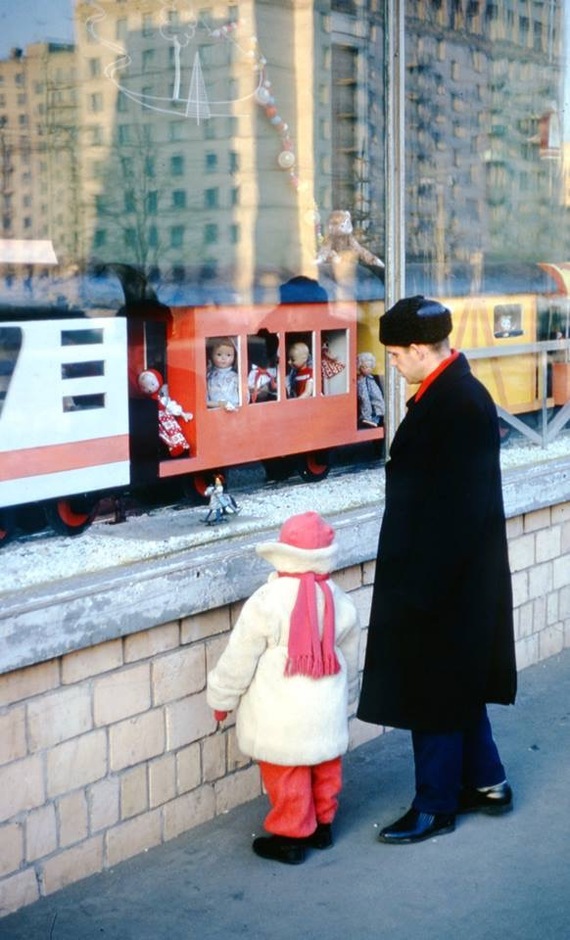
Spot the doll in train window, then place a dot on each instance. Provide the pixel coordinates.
(222, 379)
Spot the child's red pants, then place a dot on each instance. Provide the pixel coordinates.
(301, 797)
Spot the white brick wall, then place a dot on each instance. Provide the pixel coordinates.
(111, 750)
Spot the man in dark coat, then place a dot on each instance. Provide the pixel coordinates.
(441, 642)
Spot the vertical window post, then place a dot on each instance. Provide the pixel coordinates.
(395, 286)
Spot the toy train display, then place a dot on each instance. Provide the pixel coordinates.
(98, 405)
(95, 405)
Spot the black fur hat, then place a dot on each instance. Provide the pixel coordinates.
(415, 320)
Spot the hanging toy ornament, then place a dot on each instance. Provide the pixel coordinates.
(264, 97)
(286, 159)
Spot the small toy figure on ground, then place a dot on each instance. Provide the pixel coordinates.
(289, 671)
(371, 405)
(221, 503)
(150, 383)
(221, 376)
(300, 375)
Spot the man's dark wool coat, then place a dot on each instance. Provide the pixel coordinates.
(440, 641)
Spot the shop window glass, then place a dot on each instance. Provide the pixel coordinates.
(487, 202)
(222, 160)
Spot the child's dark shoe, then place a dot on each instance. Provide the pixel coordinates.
(321, 838)
(280, 849)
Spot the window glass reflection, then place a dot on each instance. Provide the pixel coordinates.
(487, 190)
(181, 139)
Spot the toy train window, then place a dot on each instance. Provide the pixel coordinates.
(300, 365)
(10, 345)
(81, 337)
(334, 358)
(222, 372)
(82, 369)
(507, 320)
(262, 367)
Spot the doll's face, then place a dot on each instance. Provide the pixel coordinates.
(298, 355)
(223, 356)
(148, 383)
(365, 368)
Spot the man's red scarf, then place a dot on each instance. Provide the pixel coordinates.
(433, 375)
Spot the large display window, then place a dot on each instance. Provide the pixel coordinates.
(206, 193)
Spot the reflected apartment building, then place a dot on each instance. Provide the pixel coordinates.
(484, 191)
(201, 130)
(204, 146)
(40, 186)
(216, 141)
(207, 145)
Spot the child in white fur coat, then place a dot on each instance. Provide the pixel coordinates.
(290, 670)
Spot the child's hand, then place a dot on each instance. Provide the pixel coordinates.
(220, 716)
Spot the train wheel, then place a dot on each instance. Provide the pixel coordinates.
(315, 466)
(71, 516)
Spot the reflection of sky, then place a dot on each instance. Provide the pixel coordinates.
(26, 21)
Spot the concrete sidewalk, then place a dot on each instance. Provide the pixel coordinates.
(494, 878)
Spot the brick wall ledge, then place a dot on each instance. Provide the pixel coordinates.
(43, 622)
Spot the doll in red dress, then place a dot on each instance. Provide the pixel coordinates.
(150, 383)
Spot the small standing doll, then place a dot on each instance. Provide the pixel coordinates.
(289, 671)
(221, 503)
(369, 393)
(169, 412)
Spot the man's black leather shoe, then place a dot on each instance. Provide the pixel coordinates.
(280, 849)
(416, 826)
(493, 800)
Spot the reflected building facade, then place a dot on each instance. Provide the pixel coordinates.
(40, 183)
(207, 145)
(484, 183)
